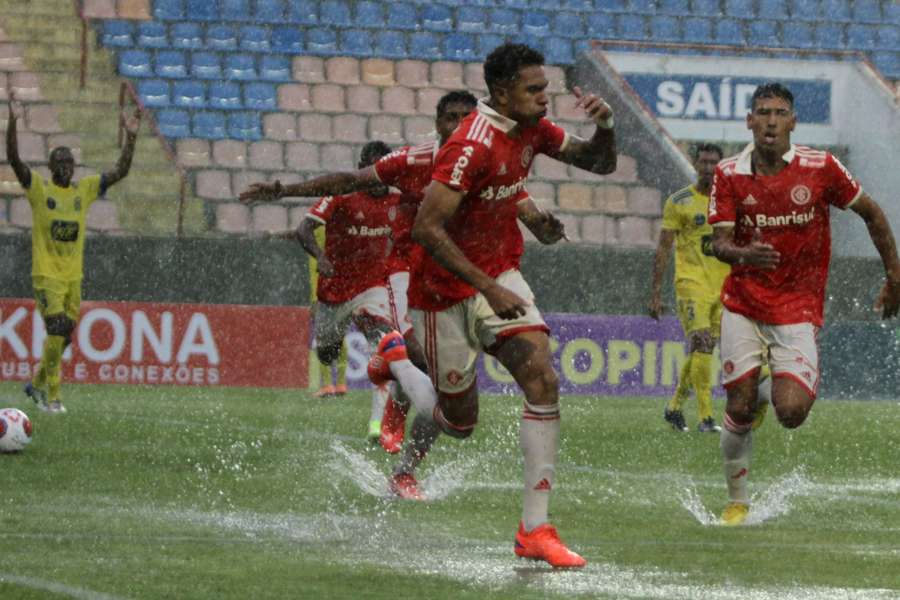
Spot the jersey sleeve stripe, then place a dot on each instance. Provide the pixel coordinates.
(723, 224)
(315, 218)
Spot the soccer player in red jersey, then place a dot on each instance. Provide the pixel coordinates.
(769, 207)
(469, 296)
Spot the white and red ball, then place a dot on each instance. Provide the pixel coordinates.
(15, 430)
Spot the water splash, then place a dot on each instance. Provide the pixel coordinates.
(358, 469)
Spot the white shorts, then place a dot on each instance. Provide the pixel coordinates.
(791, 350)
(452, 338)
(333, 320)
(398, 285)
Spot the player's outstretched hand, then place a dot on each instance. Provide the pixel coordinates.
(132, 121)
(594, 106)
(656, 308)
(888, 302)
(552, 229)
(505, 303)
(759, 254)
(261, 192)
(324, 267)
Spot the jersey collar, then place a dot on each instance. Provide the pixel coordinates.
(504, 124)
(744, 165)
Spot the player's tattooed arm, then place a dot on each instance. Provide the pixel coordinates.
(332, 184)
(542, 224)
(305, 234)
(598, 154)
(755, 254)
(883, 239)
(123, 166)
(23, 173)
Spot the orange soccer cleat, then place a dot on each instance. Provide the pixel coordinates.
(391, 347)
(324, 392)
(405, 486)
(543, 543)
(393, 426)
(340, 389)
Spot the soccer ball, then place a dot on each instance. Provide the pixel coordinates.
(15, 430)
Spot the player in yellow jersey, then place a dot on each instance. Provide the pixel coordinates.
(59, 208)
(328, 387)
(698, 281)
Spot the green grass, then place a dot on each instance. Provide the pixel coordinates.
(227, 493)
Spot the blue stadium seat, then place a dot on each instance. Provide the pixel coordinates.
(274, 68)
(601, 25)
(504, 21)
(888, 37)
(321, 42)
(739, 9)
(836, 10)
(225, 95)
(545, 5)
(335, 13)
(355, 42)
(568, 24)
(558, 51)
(892, 13)
(171, 64)
(209, 125)
(697, 30)
(173, 123)
(437, 18)
(253, 38)
(797, 34)
(471, 19)
(771, 9)
(459, 47)
(370, 14)
(401, 15)
(806, 10)
(221, 37)
(244, 126)
(390, 44)
(616, 6)
(117, 34)
(152, 34)
(665, 28)
(888, 63)
(708, 8)
(675, 7)
(866, 11)
(536, 23)
(287, 40)
(631, 27)
(269, 11)
(241, 67)
(260, 96)
(303, 12)
(425, 46)
(764, 33)
(154, 93)
(168, 10)
(206, 65)
(202, 10)
(860, 37)
(647, 7)
(189, 94)
(487, 42)
(582, 6)
(187, 36)
(729, 31)
(236, 10)
(829, 36)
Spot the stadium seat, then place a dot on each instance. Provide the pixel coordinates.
(806, 10)
(487, 42)
(117, 34)
(241, 67)
(616, 6)
(321, 42)
(536, 23)
(631, 27)
(244, 126)
(209, 125)
(236, 10)
(303, 12)
(888, 37)
(391, 44)
(425, 46)
(675, 7)
(401, 15)
(729, 31)
(866, 11)
(260, 96)
(171, 64)
(221, 37)
(665, 28)
(697, 30)
(567, 24)
(355, 42)
(253, 38)
(739, 9)
(186, 36)
(154, 93)
(287, 40)
(892, 13)
(771, 9)
(601, 25)
(225, 95)
(335, 13)
(206, 65)
(173, 123)
(558, 51)
(764, 33)
(152, 34)
(202, 10)
(168, 10)
(460, 47)
(797, 34)
(829, 36)
(369, 14)
(888, 63)
(580, 6)
(471, 19)
(836, 10)
(269, 11)
(437, 18)
(861, 37)
(189, 94)
(647, 7)
(503, 21)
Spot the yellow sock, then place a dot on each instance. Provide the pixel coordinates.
(684, 385)
(51, 363)
(701, 371)
(764, 372)
(342, 365)
(325, 371)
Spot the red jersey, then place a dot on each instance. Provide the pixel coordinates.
(357, 240)
(481, 160)
(791, 212)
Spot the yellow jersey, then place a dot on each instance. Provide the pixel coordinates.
(58, 226)
(697, 271)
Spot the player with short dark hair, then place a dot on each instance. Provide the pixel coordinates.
(769, 208)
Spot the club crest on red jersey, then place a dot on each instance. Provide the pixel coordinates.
(527, 155)
(800, 195)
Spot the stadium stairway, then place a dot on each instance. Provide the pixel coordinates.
(40, 54)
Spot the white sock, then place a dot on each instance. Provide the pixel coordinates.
(379, 399)
(539, 438)
(416, 384)
(736, 450)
